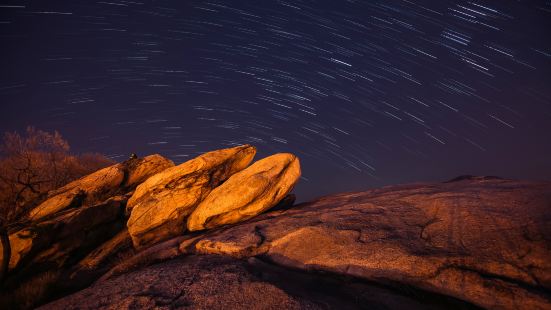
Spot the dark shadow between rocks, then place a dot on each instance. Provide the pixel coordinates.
(347, 292)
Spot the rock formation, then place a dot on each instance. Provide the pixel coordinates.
(247, 193)
(482, 241)
(101, 185)
(470, 242)
(55, 240)
(71, 222)
(161, 204)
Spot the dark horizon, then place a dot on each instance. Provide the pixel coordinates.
(366, 94)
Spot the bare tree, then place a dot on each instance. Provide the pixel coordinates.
(30, 166)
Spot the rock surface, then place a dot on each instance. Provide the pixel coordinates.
(161, 204)
(469, 242)
(140, 169)
(217, 282)
(110, 251)
(101, 185)
(484, 241)
(247, 193)
(55, 240)
(21, 243)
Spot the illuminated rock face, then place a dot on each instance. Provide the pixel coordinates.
(100, 185)
(160, 205)
(481, 240)
(247, 193)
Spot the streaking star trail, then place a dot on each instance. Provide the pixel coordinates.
(366, 93)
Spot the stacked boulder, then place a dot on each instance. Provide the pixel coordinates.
(103, 184)
(214, 189)
(81, 214)
(81, 226)
(160, 205)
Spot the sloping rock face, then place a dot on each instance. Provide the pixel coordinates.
(101, 185)
(484, 241)
(199, 283)
(247, 193)
(217, 282)
(161, 204)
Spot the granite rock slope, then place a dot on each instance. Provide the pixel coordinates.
(485, 241)
(218, 282)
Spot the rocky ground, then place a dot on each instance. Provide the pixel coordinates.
(222, 282)
(467, 243)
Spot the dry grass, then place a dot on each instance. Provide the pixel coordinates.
(31, 293)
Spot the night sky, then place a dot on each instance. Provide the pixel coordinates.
(366, 93)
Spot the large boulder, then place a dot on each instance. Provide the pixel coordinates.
(101, 185)
(160, 205)
(90, 187)
(482, 240)
(247, 193)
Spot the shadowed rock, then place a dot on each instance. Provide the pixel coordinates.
(160, 205)
(247, 193)
(56, 240)
(468, 177)
(112, 252)
(285, 203)
(100, 185)
(107, 252)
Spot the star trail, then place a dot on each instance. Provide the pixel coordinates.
(366, 93)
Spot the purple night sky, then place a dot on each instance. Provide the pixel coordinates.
(366, 93)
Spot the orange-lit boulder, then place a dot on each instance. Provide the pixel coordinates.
(248, 192)
(100, 185)
(160, 205)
